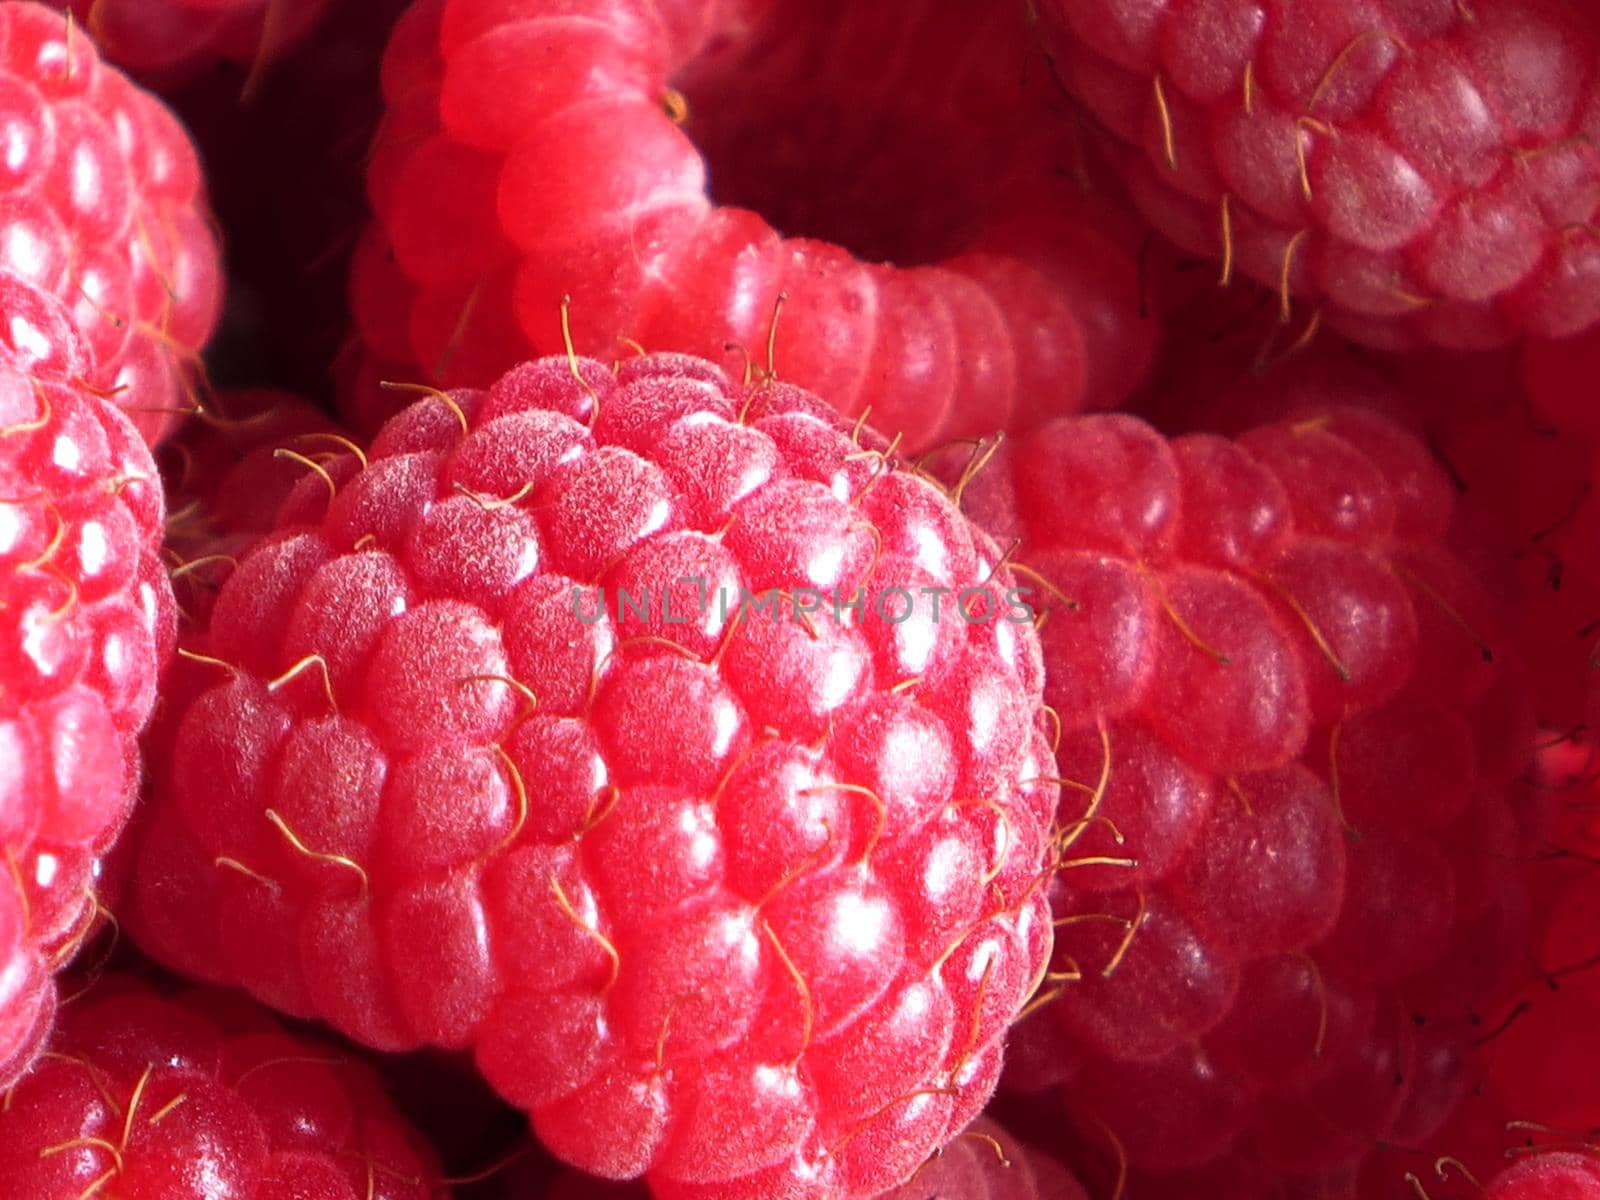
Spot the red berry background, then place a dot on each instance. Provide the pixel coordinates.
(799, 600)
(1423, 173)
(713, 181)
(168, 40)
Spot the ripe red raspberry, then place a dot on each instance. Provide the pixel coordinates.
(102, 204)
(937, 271)
(169, 40)
(200, 1096)
(983, 1163)
(1420, 172)
(1291, 736)
(740, 897)
(86, 619)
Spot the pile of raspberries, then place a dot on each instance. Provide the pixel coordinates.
(799, 600)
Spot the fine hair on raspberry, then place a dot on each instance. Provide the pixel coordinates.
(742, 899)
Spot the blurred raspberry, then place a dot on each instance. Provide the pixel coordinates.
(1421, 173)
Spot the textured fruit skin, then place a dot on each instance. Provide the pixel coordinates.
(168, 40)
(1551, 1175)
(86, 620)
(984, 1162)
(102, 204)
(1423, 173)
(984, 297)
(198, 1096)
(742, 903)
(1266, 860)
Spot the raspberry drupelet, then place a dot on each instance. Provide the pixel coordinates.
(1419, 172)
(198, 1096)
(1290, 748)
(525, 732)
(103, 205)
(676, 167)
(86, 620)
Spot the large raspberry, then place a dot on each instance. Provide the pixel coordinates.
(102, 204)
(1292, 736)
(201, 1096)
(532, 149)
(1422, 171)
(168, 40)
(86, 618)
(732, 885)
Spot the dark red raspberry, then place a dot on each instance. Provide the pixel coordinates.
(1422, 172)
(169, 40)
(201, 1096)
(1291, 734)
(1526, 481)
(940, 274)
(226, 473)
(740, 897)
(86, 619)
(102, 204)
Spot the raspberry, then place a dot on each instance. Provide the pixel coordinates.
(226, 474)
(1421, 173)
(86, 618)
(105, 208)
(1290, 738)
(170, 40)
(941, 276)
(737, 895)
(983, 1163)
(198, 1096)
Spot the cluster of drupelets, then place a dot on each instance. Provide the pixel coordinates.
(1258, 862)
